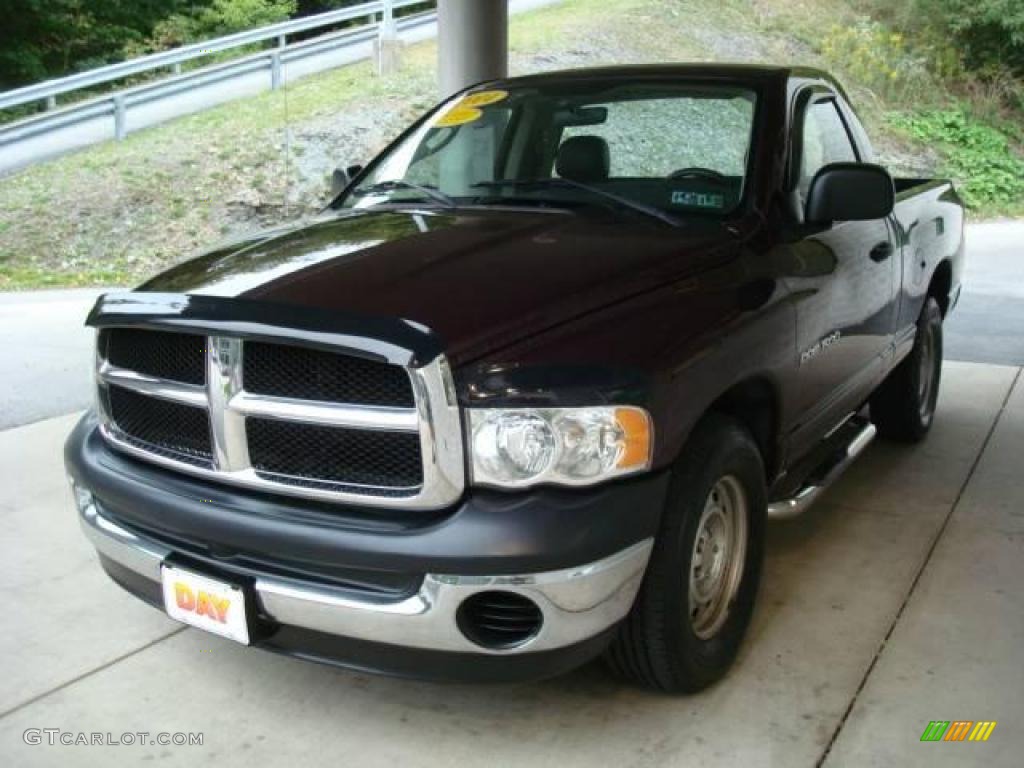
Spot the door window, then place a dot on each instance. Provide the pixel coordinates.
(825, 141)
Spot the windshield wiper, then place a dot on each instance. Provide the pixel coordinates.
(392, 186)
(624, 202)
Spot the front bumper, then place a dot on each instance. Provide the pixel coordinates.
(576, 603)
(137, 515)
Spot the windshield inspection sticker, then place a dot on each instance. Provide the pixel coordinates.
(698, 199)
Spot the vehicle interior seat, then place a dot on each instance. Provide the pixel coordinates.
(584, 158)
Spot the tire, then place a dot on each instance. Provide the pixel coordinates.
(903, 408)
(664, 643)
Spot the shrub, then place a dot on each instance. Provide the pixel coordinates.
(978, 156)
(870, 54)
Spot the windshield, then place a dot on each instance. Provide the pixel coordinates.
(665, 151)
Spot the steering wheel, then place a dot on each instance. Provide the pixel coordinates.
(695, 171)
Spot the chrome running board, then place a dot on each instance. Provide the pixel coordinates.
(798, 504)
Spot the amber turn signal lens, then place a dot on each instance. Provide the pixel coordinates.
(636, 425)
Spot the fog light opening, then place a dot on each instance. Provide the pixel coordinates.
(499, 620)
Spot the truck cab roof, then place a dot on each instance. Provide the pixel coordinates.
(749, 73)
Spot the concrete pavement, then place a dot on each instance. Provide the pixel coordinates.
(955, 651)
(893, 602)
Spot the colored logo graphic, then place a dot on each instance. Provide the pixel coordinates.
(201, 603)
(958, 730)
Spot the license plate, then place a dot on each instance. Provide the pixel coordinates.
(205, 603)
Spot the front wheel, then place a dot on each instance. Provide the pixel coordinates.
(698, 594)
(903, 408)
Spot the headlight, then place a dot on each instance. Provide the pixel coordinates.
(515, 448)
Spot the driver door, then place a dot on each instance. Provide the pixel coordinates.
(845, 296)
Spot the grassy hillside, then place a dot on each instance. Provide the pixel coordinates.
(117, 212)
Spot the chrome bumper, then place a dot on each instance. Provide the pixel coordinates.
(576, 603)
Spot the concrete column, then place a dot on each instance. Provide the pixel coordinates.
(472, 42)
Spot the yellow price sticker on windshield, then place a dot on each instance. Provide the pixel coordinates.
(484, 98)
(458, 115)
(467, 110)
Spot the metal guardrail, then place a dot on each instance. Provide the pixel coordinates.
(380, 23)
(50, 89)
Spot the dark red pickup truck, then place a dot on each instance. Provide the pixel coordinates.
(529, 388)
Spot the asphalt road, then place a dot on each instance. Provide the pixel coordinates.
(46, 369)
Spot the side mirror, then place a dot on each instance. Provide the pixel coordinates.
(342, 177)
(850, 192)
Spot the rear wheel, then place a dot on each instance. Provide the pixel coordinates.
(903, 408)
(698, 594)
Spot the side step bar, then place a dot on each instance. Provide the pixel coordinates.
(798, 504)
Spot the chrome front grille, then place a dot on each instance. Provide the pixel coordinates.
(174, 430)
(321, 424)
(178, 356)
(314, 374)
(306, 454)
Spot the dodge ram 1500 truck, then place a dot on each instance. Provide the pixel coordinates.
(528, 389)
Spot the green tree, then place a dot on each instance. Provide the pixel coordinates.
(41, 39)
(226, 16)
(988, 34)
(992, 31)
(49, 38)
(220, 17)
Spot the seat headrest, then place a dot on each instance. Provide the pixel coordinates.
(583, 158)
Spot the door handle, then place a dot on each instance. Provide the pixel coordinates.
(881, 251)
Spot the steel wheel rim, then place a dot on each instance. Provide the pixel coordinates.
(926, 374)
(719, 553)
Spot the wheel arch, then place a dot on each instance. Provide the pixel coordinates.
(941, 285)
(754, 403)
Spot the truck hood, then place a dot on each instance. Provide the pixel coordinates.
(480, 278)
